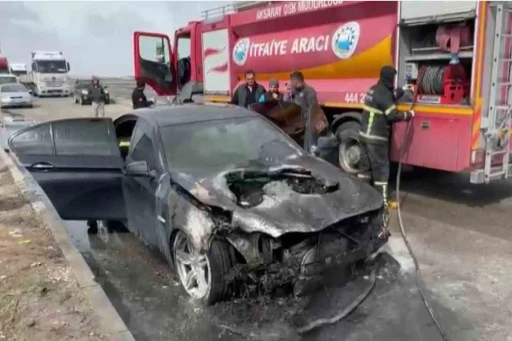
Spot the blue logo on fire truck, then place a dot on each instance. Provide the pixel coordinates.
(344, 40)
(241, 51)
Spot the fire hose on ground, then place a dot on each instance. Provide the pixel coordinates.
(352, 306)
(401, 224)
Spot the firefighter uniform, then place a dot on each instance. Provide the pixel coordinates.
(379, 113)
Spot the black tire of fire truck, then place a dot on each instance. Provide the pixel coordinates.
(349, 148)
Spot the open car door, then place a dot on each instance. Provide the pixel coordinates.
(77, 163)
(154, 62)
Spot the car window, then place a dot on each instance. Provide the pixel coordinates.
(34, 141)
(13, 88)
(219, 143)
(84, 137)
(142, 144)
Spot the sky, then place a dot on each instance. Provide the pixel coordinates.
(96, 37)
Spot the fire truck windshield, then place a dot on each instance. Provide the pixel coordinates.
(51, 66)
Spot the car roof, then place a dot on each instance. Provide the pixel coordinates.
(191, 112)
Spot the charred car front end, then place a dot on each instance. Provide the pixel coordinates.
(290, 224)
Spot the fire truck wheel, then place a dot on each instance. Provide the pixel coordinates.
(349, 148)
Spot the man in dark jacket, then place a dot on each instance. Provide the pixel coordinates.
(273, 93)
(379, 113)
(301, 93)
(139, 100)
(97, 94)
(248, 93)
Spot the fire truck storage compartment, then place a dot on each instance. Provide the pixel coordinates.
(438, 58)
(442, 72)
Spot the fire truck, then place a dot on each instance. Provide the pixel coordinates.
(4, 65)
(457, 53)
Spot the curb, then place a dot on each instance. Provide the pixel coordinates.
(110, 323)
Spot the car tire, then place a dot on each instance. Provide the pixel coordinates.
(349, 148)
(217, 263)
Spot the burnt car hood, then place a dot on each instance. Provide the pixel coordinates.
(279, 208)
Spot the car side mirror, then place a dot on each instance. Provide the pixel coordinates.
(139, 169)
(104, 86)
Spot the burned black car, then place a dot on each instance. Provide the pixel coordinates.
(221, 191)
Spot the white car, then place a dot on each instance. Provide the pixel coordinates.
(14, 95)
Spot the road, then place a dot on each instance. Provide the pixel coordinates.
(461, 233)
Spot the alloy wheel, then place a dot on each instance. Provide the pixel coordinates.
(192, 266)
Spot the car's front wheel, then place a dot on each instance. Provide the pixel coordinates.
(202, 275)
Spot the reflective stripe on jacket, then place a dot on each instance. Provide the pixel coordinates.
(379, 113)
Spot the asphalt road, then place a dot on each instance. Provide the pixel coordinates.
(461, 233)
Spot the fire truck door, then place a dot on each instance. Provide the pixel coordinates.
(154, 62)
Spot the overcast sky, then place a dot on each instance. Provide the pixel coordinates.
(95, 37)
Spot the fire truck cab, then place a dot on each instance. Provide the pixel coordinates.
(458, 54)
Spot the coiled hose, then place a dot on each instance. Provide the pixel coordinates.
(430, 79)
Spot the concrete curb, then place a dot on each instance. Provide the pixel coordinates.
(111, 324)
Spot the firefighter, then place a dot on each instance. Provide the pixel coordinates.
(248, 93)
(139, 100)
(301, 93)
(273, 93)
(97, 97)
(379, 113)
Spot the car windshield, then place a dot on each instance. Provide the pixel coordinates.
(51, 66)
(216, 144)
(8, 79)
(13, 88)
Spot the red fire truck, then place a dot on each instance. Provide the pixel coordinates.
(458, 53)
(4, 65)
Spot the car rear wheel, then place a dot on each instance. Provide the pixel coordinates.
(202, 275)
(349, 149)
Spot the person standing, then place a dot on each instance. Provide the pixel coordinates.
(139, 99)
(248, 93)
(273, 93)
(97, 94)
(301, 93)
(379, 113)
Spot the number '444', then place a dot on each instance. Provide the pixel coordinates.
(354, 97)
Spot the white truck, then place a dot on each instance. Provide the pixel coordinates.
(49, 74)
(20, 70)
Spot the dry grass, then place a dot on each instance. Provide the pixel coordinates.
(39, 296)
